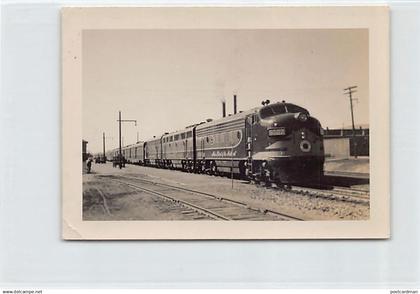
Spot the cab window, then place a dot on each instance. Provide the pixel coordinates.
(295, 109)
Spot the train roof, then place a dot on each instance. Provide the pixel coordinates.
(157, 139)
(140, 143)
(206, 124)
(186, 130)
(239, 116)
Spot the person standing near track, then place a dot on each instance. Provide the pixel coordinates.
(89, 164)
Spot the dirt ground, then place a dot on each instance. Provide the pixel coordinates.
(108, 200)
(353, 165)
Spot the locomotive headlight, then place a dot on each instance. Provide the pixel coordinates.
(305, 146)
(302, 117)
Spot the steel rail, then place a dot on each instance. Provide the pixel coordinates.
(216, 197)
(197, 208)
(330, 195)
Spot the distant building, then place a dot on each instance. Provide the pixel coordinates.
(346, 133)
(341, 143)
(84, 150)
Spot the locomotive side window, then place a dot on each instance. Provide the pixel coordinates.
(295, 109)
(189, 134)
(278, 108)
(266, 112)
(271, 110)
(176, 137)
(275, 109)
(249, 120)
(254, 119)
(183, 136)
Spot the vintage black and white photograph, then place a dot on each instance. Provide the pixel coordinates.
(225, 125)
(193, 124)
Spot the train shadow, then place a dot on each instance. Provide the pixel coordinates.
(329, 180)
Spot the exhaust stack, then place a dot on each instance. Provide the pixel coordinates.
(224, 108)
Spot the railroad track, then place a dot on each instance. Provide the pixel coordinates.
(336, 193)
(210, 205)
(351, 191)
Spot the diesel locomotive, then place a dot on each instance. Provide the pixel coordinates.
(279, 142)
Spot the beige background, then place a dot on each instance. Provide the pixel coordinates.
(74, 20)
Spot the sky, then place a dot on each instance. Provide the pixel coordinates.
(169, 79)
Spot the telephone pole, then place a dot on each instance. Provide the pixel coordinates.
(103, 144)
(104, 138)
(120, 157)
(349, 91)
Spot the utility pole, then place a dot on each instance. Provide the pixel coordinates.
(349, 91)
(104, 138)
(223, 108)
(119, 128)
(235, 108)
(103, 143)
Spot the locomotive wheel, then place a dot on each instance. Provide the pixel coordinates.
(202, 167)
(213, 168)
(190, 167)
(242, 169)
(279, 184)
(267, 183)
(266, 175)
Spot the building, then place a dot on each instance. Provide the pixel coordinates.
(341, 143)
